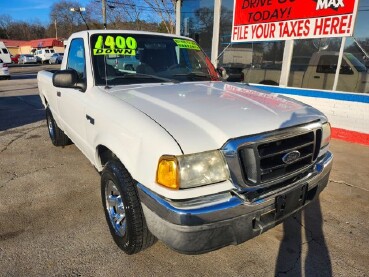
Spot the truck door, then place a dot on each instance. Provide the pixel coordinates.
(72, 101)
(323, 75)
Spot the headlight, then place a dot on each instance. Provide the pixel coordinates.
(187, 171)
(326, 134)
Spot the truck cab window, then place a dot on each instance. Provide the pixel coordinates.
(76, 58)
(328, 64)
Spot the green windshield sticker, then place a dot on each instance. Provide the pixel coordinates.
(183, 43)
(108, 51)
(115, 45)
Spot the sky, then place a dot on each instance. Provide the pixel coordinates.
(29, 10)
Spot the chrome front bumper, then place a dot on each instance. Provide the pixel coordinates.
(201, 225)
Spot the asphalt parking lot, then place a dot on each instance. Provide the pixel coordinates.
(52, 222)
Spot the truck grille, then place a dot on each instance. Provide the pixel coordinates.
(275, 160)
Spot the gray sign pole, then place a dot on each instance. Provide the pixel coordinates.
(339, 62)
(178, 17)
(215, 42)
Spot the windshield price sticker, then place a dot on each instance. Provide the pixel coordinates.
(182, 43)
(118, 45)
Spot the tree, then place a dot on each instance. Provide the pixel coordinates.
(118, 13)
(67, 22)
(273, 51)
(20, 30)
(164, 9)
(5, 22)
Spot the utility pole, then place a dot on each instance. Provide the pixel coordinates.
(103, 2)
(56, 30)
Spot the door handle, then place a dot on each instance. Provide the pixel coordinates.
(89, 118)
(58, 93)
(316, 77)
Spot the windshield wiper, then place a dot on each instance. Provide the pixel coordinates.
(193, 74)
(146, 76)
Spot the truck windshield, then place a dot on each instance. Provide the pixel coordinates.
(120, 59)
(356, 63)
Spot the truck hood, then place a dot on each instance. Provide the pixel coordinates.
(204, 115)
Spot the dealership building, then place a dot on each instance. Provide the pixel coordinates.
(197, 21)
(326, 68)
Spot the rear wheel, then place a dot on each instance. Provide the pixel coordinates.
(123, 209)
(268, 82)
(57, 136)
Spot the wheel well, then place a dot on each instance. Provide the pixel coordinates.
(44, 102)
(268, 82)
(105, 154)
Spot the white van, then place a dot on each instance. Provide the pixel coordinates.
(4, 53)
(43, 55)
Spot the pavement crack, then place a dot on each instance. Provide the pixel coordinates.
(285, 272)
(296, 263)
(347, 184)
(16, 176)
(11, 142)
(309, 232)
(22, 134)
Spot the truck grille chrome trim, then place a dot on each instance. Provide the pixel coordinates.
(273, 159)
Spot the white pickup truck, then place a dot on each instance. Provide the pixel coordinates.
(316, 72)
(195, 162)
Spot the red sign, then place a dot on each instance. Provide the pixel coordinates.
(261, 20)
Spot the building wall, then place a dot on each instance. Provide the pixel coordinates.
(25, 49)
(13, 50)
(59, 49)
(197, 23)
(348, 113)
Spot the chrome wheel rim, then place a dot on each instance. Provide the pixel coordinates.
(115, 209)
(50, 126)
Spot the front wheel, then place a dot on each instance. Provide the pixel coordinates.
(123, 209)
(57, 136)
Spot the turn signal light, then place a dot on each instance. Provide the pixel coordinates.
(167, 172)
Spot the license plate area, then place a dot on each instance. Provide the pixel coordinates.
(290, 201)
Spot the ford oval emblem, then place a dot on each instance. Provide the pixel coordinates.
(290, 157)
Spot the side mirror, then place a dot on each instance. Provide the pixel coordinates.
(68, 79)
(223, 73)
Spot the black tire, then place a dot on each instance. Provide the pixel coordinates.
(130, 233)
(268, 82)
(57, 136)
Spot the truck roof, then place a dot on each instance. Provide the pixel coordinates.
(92, 32)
